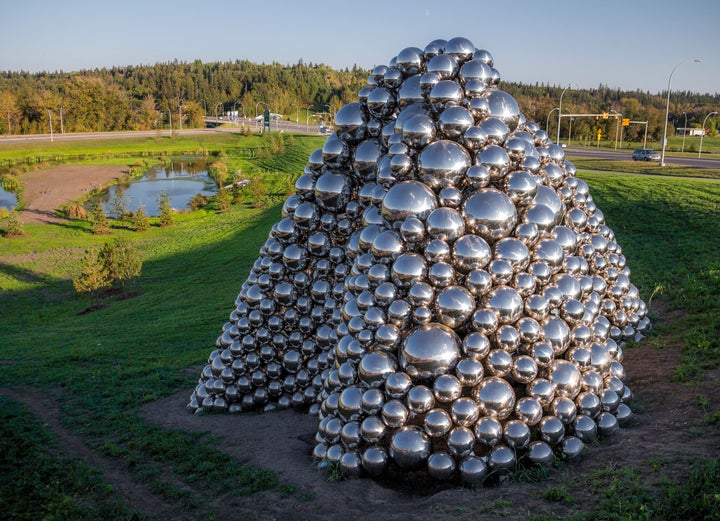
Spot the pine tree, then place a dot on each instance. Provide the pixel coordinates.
(15, 227)
(122, 262)
(222, 200)
(141, 221)
(166, 212)
(101, 224)
(93, 275)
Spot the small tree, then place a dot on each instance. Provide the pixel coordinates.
(166, 212)
(222, 200)
(15, 228)
(93, 275)
(101, 224)
(119, 203)
(258, 193)
(122, 262)
(141, 221)
(218, 171)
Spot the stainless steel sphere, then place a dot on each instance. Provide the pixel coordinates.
(409, 448)
(490, 214)
(495, 397)
(429, 351)
(473, 470)
(441, 466)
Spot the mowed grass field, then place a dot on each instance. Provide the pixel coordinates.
(100, 367)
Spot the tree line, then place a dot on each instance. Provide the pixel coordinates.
(178, 94)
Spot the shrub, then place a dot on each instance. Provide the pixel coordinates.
(76, 211)
(93, 275)
(198, 201)
(14, 227)
(166, 211)
(140, 221)
(101, 224)
(222, 200)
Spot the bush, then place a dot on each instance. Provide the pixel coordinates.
(101, 224)
(140, 221)
(223, 199)
(14, 228)
(197, 202)
(76, 211)
(166, 211)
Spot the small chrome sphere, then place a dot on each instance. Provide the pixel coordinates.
(529, 410)
(516, 434)
(490, 214)
(441, 466)
(470, 252)
(397, 385)
(542, 390)
(373, 429)
(495, 397)
(469, 371)
(524, 369)
(429, 351)
(351, 465)
(499, 362)
(623, 413)
(501, 459)
(408, 199)
(420, 399)
(464, 412)
(394, 413)
(552, 430)
(409, 448)
(585, 428)
(372, 401)
(374, 461)
(375, 367)
(540, 453)
(607, 424)
(454, 305)
(476, 346)
(446, 388)
(473, 470)
(566, 378)
(488, 431)
(461, 442)
(571, 447)
(564, 409)
(437, 423)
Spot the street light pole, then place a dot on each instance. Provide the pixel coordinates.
(703, 132)
(684, 133)
(667, 109)
(547, 120)
(557, 141)
(50, 116)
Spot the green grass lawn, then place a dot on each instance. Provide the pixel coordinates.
(105, 364)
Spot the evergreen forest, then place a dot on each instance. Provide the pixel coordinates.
(178, 94)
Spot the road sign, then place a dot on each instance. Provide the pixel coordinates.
(605, 115)
(599, 134)
(626, 122)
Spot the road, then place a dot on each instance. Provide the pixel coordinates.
(289, 126)
(624, 155)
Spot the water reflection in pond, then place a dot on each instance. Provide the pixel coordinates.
(181, 180)
(7, 199)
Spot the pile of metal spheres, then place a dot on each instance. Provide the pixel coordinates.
(441, 290)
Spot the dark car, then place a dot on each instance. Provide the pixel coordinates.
(645, 154)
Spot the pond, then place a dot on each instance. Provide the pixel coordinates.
(181, 180)
(7, 199)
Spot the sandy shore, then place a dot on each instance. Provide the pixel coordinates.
(47, 190)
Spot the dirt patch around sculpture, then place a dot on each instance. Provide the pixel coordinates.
(665, 434)
(47, 190)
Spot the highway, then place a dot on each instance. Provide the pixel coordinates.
(711, 161)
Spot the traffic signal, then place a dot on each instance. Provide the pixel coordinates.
(605, 115)
(599, 134)
(626, 122)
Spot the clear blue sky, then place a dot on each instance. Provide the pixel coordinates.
(630, 44)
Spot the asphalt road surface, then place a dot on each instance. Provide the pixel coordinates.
(307, 128)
